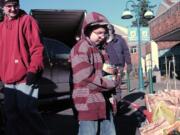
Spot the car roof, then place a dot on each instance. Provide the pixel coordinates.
(61, 25)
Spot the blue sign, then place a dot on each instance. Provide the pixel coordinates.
(133, 35)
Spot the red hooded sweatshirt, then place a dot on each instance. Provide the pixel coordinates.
(21, 49)
(88, 82)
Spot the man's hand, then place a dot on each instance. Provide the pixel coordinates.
(31, 78)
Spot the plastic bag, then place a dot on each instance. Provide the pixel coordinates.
(163, 111)
(155, 128)
(173, 129)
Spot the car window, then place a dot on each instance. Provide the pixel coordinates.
(56, 49)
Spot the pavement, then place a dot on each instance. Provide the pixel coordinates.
(60, 118)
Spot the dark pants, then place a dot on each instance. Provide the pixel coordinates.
(22, 114)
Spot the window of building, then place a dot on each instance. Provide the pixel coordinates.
(133, 49)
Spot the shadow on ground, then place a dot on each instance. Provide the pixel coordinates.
(127, 119)
(61, 124)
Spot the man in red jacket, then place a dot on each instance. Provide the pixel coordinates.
(90, 86)
(21, 61)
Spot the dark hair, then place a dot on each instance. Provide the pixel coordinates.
(111, 28)
(88, 30)
(3, 2)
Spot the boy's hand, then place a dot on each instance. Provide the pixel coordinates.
(117, 80)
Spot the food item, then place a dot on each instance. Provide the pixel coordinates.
(171, 98)
(109, 68)
(110, 77)
(155, 128)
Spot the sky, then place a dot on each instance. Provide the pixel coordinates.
(112, 9)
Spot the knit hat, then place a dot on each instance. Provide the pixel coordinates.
(3, 2)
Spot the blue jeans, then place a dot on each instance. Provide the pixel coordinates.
(106, 127)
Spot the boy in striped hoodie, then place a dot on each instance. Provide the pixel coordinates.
(90, 87)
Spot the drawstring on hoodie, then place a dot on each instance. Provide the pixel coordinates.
(8, 24)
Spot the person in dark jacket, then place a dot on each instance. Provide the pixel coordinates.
(89, 85)
(21, 60)
(119, 55)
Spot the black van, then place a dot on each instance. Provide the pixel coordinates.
(60, 31)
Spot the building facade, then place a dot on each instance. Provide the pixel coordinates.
(165, 31)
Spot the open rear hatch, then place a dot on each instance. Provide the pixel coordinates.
(59, 28)
(62, 25)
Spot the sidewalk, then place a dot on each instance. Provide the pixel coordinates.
(163, 84)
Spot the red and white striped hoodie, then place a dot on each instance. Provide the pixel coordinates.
(86, 62)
